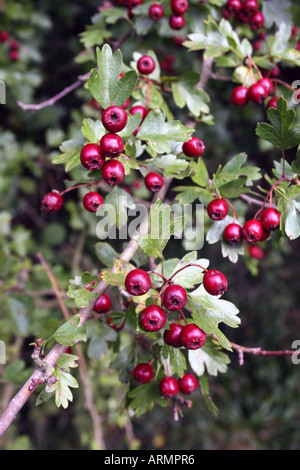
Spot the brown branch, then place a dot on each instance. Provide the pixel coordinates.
(241, 350)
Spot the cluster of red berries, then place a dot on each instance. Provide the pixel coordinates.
(246, 11)
(258, 92)
(168, 386)
(254, 230)
(13, 45)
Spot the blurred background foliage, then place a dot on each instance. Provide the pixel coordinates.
(258, 402)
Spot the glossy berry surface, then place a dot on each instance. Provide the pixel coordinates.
(156, 12)
(113, 172)
(175, 297)
(267, 84)
(154, 182)
(52, 202)
(103, 304)
(188, 384)
(257, 93)
(92, 201)
(217, 209)
(192, 337)
(272, 103)
(146, 65)
(214, 282)
(139, 109)
(179, 6)
(91, 157)
(114, 118)
(143, 373)
(153, 318)
(111, 145)
(193, 147)
(270, 219)
(137, 282)
(233, 234)
(252, 231)
(172, 336)
(256, 252)
(234, 6)
(250, 6)
(176, 22)
(168, 387)
(257, 20)
(134, 3)
(239, 96)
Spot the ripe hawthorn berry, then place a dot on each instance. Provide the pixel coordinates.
(174, 297)
(137, 282)
(241, 17)
(92, 201)
(267, 84)
(193, 147)
(4, 36)
(14, 55)
(179, 7)
(272, 103)
(192, 337)
(172, 336)
(91, 157)
(153, 318)
(176, 22)
(114, 118)
(154, 181)
(168, 387)
(250, 6)
(143, 373)
(233, 6)
(257, 93)
(113, 324)
(214, 282)
(113, 172)
(52, 201)
(270, 219)
(256, 252)
(111, 145)
(134, 3)
(156, 12)
(146, 65)
(103, 304)
(252, 231)
(139, 109)
(188, 384)
(239, 96)
(217, 209)
(257, 20)
(233, 234)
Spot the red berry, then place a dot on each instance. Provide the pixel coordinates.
(233, 6)
(256, 252)
(14, 44)
(92, 201)
(168, 387)
(214, 282)
(143, 373)
(103, 304)
(154, 182)
(152, 318)
(256, 45)
(137, 282)
(188, 384)
(172, 336)
(139, 109)
(179, 6)
(134, 3)
(257, 93)
(241, 17)
(91, 157)
(146, 65)
(52, 201)
(176, 22)
(113, 172)
(111, 145)
(193, 147)
(14, 55)
(267, 84)
(156, 12)
(233, 234)
(239, 96)
(114, 118)
(110, 323)
(272, 103)
(250, 6)
(252, 231)
(4, 35)
(257, 20)
(217, 209)
(266, 234)
(175, 297)
(270, 219)
(192, 337)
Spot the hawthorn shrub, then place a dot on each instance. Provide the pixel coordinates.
(151, 108)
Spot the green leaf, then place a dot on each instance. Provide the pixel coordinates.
(70, 332)
(70, 156)
(191, 275)
(204, 387)
(185, 93)
(119, 201)
(292, 221)
(145, 397)
(175, 362)
(92, 130)
(208, 358)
